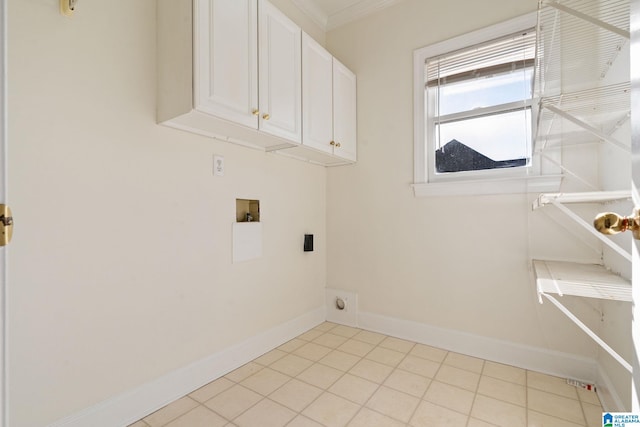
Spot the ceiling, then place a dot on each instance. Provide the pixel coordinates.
(330, 14)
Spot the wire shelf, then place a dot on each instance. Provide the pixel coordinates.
(603, 109)
(584, 280)
(592, 101)
(578, 41)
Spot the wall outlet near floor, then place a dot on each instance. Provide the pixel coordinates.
(342, 307)
(586, 386)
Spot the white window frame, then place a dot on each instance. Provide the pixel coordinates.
(493, 181)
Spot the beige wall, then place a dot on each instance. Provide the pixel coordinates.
(459, 263)
(120, 268)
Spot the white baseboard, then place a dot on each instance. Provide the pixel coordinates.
(510, 353)
(608, 394)
(133, 405)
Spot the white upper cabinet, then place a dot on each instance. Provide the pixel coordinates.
(317, 88)
(344, 111)
(233, 70)
(329, 107)
(279, 74)
(226, 56)
(210, 69)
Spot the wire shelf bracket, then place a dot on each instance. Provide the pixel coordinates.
(587, 127)
(583, 280)
(559, 199)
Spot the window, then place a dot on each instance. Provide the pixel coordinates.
(479, 105)
(474, 110)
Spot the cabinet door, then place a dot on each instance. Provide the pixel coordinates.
(280, 77)
(344, 111)
(226, 59)
(317, 97)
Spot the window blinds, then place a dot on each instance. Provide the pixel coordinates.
(501, 55)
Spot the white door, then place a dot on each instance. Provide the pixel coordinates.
(635, 167)
(280, 73)
(226, 59)
(344, 111)
(317, 95)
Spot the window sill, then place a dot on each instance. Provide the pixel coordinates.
(511, 185)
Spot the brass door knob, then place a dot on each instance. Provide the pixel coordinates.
(6, 225)
(255, 112)
(612, 223)
(266, 117)
(332, 143)
(338, 144)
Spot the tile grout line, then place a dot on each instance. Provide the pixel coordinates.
(430, 383)
(300, 413)
(323, 390)
(379, 384)
(363, 357)
(178, 416)
(526, 396)
(264, 367)
(383, 381)
(584, 413)
(251, 406)
(421, 398)
(475, 394)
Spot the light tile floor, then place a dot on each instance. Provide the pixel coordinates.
(334, 375)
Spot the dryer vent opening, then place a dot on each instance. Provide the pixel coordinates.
(341, 307)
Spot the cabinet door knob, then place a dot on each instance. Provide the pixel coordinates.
(266, 117)
(255, 112)
(337, 144)
(332, 143)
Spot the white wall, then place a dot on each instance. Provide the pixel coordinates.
(120, 267)
(459, 263)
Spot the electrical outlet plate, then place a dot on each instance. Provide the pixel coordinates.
(218, 166)
(581, 384)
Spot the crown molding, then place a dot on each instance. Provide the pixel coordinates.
(311, 9)
(349, 14)
(357, 11)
